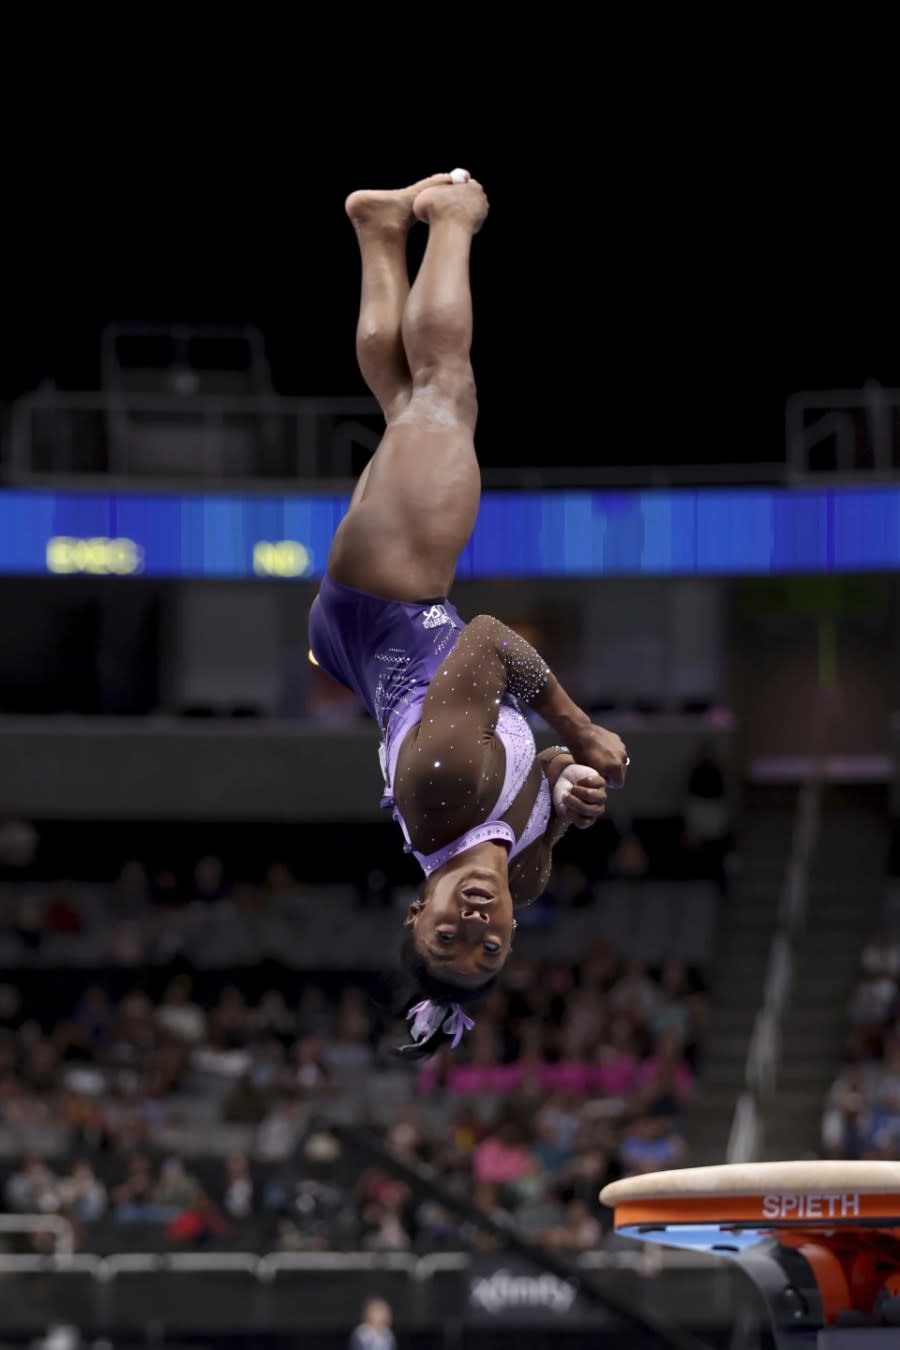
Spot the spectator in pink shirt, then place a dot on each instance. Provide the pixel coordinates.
(503, 1157)
(569, 1076)
(484, 1073)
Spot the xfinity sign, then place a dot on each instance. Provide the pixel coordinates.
(505, 1290)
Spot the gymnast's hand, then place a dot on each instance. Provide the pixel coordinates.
(579, 796)
(601, 750)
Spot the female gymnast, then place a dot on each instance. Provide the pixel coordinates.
(479, 809)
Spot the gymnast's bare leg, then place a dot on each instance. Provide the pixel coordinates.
(414, 507)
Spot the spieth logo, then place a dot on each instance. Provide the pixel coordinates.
(504, 1290)
(810, 1206)
(435, 617)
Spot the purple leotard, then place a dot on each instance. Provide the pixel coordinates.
(388, 652)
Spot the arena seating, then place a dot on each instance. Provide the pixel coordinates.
(169, 1069)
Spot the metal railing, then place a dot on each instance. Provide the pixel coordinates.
(208, 437)
(830, 435)
(647, 1260)
(842, 433)
(165, 438)
(764, 1051)
(60, 1227)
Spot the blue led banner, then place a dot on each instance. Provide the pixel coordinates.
(679, 532)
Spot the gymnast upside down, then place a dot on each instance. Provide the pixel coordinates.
(474, 800)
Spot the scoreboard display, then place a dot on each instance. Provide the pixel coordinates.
(653, 532)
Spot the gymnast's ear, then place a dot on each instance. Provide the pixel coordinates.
(415, 909)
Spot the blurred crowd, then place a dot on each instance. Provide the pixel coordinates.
(203, 1115)
(154, 912)
(172, 1073)
(573, 1076)
(862, 1113)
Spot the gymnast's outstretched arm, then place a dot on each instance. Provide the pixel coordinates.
(459, 717)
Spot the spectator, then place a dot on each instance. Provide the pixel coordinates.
(63, 913)
(635, 995)
(882, 958)
(229, 1022)
(311, 1074)
(209, 882)
(707, 818)
(280, 882)
(178, 1015)
(614, 1070)
(33, 1189)
(467, 1131)
(270, 1070)
(374, 1331)
(630, 858)
(132, 892)
(551, 1147)
(580, 1231)
(28, 921)
(92, 1019)
(239, 1193)
(873, 1000)
(348, 1051)
(437, 1228)
(502, 1157)
(134, 1198)
(10, 1006)
(273, 1018)
(384, 1227)
(19, 841)
(314, 1014)
(882, 1126)
(279, 1133)
(165, 888)
(246, 1103)
(82, 1194)
(886, 1078)
(650, 1144)
(198, 1222)
(664, 1082)
(671, 1016)
(175, 1188)
(587, 1174)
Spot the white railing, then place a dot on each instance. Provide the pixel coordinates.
(646, 1258)
(744, 1139)
(764, 1050)
(61, 1228)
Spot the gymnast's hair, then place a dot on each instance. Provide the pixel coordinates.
(445, 1001)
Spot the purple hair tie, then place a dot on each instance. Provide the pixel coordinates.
(428, 1016)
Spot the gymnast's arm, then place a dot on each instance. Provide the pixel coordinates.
(464, 697)
(529, 872)
(455, 753)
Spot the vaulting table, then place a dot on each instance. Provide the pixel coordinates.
(820, 1240)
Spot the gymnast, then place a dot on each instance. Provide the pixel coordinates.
(479, 809)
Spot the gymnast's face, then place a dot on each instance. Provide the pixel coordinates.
(463, 924)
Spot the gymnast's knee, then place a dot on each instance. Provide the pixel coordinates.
(446, 392)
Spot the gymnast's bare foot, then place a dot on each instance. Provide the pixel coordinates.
(392, 210)
(462, 201)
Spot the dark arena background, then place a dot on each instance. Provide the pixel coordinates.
(689, 379)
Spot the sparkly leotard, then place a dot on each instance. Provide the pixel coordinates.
(471, 759)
